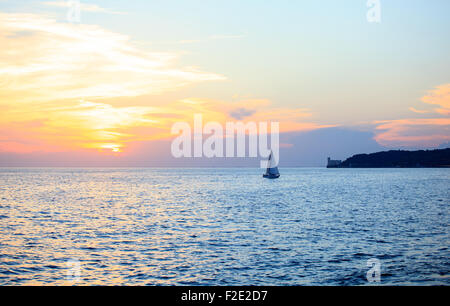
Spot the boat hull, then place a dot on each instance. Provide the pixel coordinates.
(271, 176)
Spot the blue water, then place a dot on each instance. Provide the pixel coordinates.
(223, 226)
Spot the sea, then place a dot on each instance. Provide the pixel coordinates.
(216, 226)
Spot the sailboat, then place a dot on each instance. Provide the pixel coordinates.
(272, 169)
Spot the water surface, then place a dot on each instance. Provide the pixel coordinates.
(223, 226)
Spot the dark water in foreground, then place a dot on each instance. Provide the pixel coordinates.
(223, 226)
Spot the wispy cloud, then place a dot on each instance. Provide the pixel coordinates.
(439, 96)
(256, 110)
(87, 7)
(413, 132)
(68, 87)
(47, 68)
(85, 124)
(241, 112)
(418, 111)
(67, 61)
(104, 127)
(417, 132)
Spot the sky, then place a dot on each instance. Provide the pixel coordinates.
(106, 89)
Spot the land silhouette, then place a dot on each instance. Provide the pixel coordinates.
(439, 158)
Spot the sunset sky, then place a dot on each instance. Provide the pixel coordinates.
(110, 86)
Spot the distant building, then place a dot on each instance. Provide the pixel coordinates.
(333, 163)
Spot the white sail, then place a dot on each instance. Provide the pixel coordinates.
(272, 168)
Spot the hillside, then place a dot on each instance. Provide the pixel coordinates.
(399, 159)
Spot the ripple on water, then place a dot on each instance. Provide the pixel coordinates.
(224, 226)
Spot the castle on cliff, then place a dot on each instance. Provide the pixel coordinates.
(333, 163)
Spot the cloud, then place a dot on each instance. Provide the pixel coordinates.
(255, 110)
(439, 96)
(83, 125)
(56, 61)
(308, 148)
(107, 128)
(64, 76)
(70, 87)
(241, 113)
(87, 7)
(418, 111)
(413, 132)
(419, 132)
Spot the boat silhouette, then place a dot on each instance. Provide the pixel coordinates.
(272, 170)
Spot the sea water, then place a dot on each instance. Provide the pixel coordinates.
(148, 226)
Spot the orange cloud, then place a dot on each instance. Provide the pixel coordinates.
(89, 125)
(101, 126)
(58, 81)
(256, 110)
(440, 96)
(49, 70)
(418, 111)
(44, 60)
(429, 132)
(413, 132)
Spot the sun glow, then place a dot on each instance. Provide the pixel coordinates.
(80, 87)
(60, 78)
(111, 146)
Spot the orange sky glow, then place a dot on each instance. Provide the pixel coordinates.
(69, 87)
